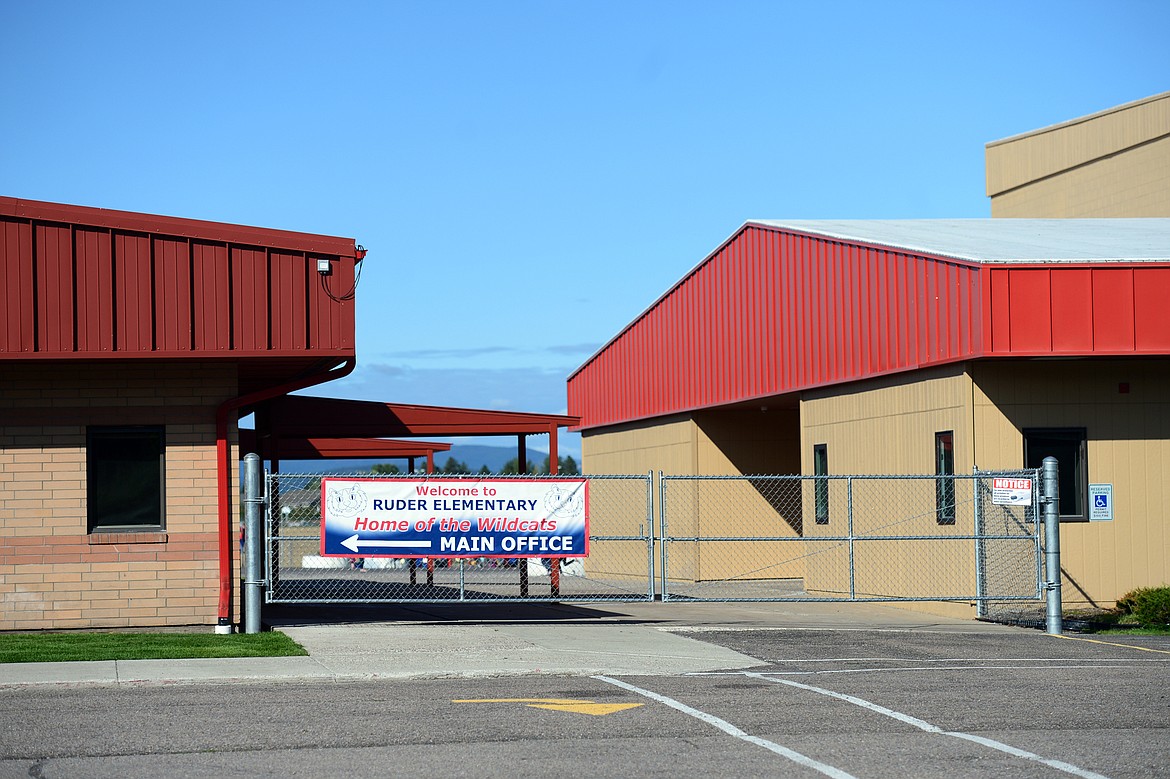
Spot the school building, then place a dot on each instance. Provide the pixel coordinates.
(131, 345)
(909, 346)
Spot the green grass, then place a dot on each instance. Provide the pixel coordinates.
(68, 647)
(1136, 630)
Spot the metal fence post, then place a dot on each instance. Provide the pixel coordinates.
(650, 537)
(254, 543)
(1051, 500)
(852, 538)
(662, 535)
(978, 529)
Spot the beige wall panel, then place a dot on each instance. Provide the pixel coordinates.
(667, 445)
(1027, 158)
(1128, 447)
(749, 442)
(888, 426)
(1133, 184)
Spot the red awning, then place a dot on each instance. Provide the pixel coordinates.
(337, 448)
(301, 416)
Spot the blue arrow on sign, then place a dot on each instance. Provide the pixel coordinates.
(353, 543)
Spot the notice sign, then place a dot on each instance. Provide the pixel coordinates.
(454, 518)
(1011, 492)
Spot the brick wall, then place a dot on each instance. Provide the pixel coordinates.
(53, 573)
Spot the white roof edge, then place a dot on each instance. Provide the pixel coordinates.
(885, 233)
(1002, 241)
(1080, 119)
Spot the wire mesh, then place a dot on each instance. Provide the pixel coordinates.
(619, 566)
(848, 538)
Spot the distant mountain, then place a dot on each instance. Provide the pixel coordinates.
(494, 457)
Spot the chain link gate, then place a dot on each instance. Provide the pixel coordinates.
(849, 538)
(722, 538)
(620, 565)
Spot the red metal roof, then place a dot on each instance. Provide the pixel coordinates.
(776, 310)
(90, 283)
(303, 416)
(339, 448)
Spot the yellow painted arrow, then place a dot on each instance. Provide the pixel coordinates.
(561, 704)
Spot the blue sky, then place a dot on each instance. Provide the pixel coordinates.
(529, 176)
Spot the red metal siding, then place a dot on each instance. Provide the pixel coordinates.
(1078, 310)
(172, 282)
(1113, 323)
(290, 303)
(1151, 303)
(94, 292)
(54, 270)
(133, 299)
(250, 299)
(212, 304)
(773, 312)
(84, 282)
(1072, 294)
(16, 300)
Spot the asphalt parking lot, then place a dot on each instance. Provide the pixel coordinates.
(801, 692)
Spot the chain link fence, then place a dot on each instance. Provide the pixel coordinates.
(720, 538)
(849, 538)
(619, 565)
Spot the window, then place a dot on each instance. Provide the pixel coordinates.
(124, 469)
(821, 486)
(944, 489)
(1067, 445)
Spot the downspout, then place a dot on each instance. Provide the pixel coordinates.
(224, 478)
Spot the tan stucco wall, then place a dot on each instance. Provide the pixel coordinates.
(1128, 446)
(714, 443)
(667, 445)
(1115, 163)
(1133, 184)
(53, 573)
(888, 426)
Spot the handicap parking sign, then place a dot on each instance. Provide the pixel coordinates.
(1100, 502)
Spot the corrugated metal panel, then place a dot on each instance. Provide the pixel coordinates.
(16, 300)
(94, 294)
(212, 302)
(290, 301)
(174, 327)
(1151, 294)
(85, 282)
(1089, 310)
(133, 297)
(775, 311)
(54, 273)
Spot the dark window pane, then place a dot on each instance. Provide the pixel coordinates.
(125, 478)
(1067, 445)
(944, 489)
(821, 486)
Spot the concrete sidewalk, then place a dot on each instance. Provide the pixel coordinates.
(412, 641)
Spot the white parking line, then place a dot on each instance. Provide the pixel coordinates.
(732, 730)
(1059, 765)
(932, 668)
